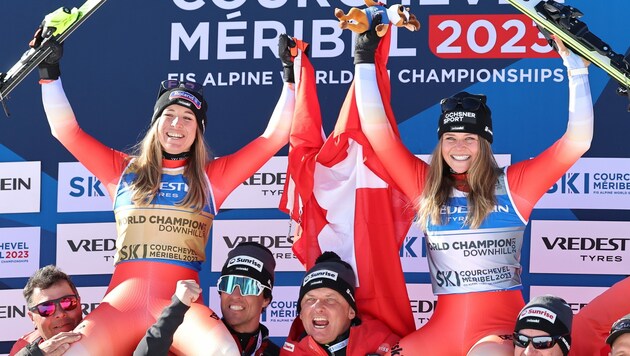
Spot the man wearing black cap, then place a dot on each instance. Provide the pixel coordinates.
(250, 267)
(619, 338)
(543, 327)
(328, 314)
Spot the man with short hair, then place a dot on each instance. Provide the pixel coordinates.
(245, 290)
(55, 308)
(330, 324)
(619, 338)
(543, 327)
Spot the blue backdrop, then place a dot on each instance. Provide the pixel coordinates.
(113, 64)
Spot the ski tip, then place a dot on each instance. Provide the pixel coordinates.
(4, 107)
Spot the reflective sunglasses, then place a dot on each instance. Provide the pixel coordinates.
(48, 308)
(539, 342)
(172, 84)
(247, 285)
(468, 103)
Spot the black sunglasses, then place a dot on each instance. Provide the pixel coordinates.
(468, 103)
(539, 342)
(172, 84)
(48, 308)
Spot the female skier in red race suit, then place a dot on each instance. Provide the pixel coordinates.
(165, 195)
(465, 202)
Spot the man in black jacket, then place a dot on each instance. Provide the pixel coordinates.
(250, 267)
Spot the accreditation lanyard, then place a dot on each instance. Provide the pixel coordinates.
(338, 346)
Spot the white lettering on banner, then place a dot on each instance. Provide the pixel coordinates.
(404, 76)
(189, 5)
(226, 234)
(200, 35)
(422, 301)
(278, 316)
(482, 75)
(192, 5)
(597, 247)
(234, 38)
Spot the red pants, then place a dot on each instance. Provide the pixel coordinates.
(592, 323)
(136, 296)
(460, 320)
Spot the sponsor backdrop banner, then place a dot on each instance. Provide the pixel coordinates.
(20, 186)
(52, 210)
(576, 297)
(19, 251)
(580, 247)
(79, 190)
(422, 301)
(270, 233)
(592, 183)
(86, 248)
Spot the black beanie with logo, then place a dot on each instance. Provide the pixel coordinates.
(465, 112)
(186, 98)
(550, 314)
(251, 259)
(331, 272)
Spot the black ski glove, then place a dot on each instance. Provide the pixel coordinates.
(366, 43)
(285, 46)
(49, 67)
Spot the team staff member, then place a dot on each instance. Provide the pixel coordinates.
(543, 328)
(328, 313)
(55, 308)
(245, 288)
(166, 195)
(465, 199)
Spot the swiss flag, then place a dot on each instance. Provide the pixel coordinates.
(338, 193)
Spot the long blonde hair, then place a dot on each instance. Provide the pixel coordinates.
(482, 179)
(147, 165)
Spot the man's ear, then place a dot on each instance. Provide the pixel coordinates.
(30, 315)
(351, 313)
(266, 302)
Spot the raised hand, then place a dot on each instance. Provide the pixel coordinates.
(366, 43)
(59, 344)
(287, 51)
(187, 291)
(49, 67)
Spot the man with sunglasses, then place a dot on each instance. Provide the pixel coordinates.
(619, 338)
(543, 328)
(55, 308)
(244, 287)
